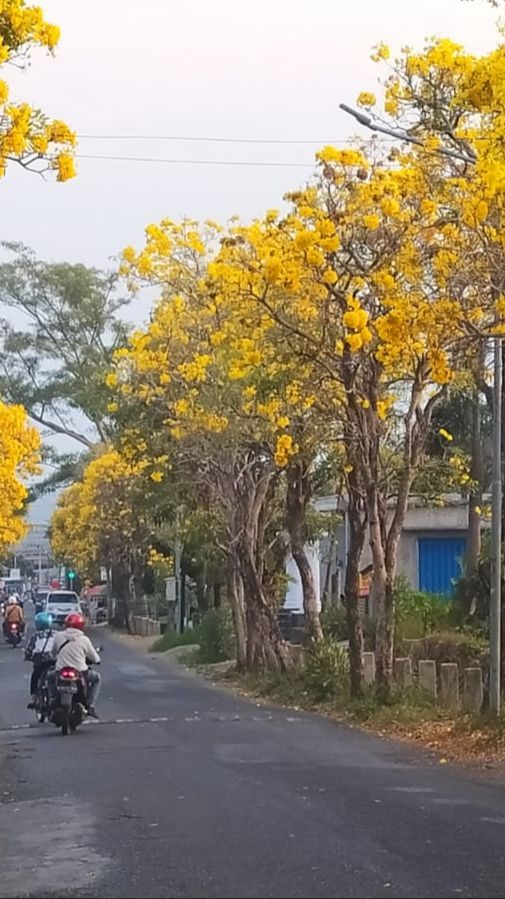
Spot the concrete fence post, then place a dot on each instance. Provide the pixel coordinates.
(428, 676)
(298, 655)
(369, 668)
(449, 685)
(403, 672)
(473, 694)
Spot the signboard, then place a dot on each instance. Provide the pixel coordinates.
(15, 572)
(170, 593)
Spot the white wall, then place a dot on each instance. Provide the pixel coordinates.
(294, 595)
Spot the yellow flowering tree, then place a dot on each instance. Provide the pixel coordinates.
(449, 103)
(209, 368)
(361, 279)
(366, 302)
(19, 459)
(103, 520)
(27, 136)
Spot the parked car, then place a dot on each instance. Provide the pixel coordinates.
(60, 603)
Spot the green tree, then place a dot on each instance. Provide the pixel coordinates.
(58, 335)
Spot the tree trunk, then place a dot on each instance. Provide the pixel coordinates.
(120, 580)
(244, 485)
(354, 625)
(235, 591)
(201, 590)
(217, 594)
(325, 596)
(310, 603)
(265, 647)
(475, 499)
(382, 597)
(297, 500)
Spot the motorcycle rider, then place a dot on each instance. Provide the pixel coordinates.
(13, 614)
(38, 651)
(71, 648)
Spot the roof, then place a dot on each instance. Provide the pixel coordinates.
(100, 590)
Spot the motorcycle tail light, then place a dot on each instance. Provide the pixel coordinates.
(69, 673)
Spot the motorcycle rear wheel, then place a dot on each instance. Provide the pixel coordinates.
(42, 707)
(65, 724)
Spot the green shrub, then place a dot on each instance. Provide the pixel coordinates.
(215, 637)
(418, 613)
(334, 622)
(171, 639)
(327, 669)
(464, 648)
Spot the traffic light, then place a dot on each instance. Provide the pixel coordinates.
(71, 575)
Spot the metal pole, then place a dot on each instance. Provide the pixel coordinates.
(496, 537)
(40, 565)
(177, 574)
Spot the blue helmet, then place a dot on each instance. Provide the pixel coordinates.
(43, 621)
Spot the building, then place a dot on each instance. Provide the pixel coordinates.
(430, 557)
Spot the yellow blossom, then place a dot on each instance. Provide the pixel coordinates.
(366, 99)
(371, 221)
(65, 166)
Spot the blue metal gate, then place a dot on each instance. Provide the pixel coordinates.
(440, 563)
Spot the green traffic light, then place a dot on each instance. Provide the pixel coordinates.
(71, 575)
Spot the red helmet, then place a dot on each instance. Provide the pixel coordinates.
(75, 619)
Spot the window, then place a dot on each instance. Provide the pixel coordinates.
(63, 599)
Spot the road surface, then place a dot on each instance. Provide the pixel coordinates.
(186, 791)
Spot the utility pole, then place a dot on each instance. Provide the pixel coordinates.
(469, 157)
(179, 604)
(496, 537)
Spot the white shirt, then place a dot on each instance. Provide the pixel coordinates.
(73, 649)
(43, 643)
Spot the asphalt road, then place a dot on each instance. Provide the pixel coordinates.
(220, 798)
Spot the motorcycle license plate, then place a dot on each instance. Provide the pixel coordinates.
(67, 688)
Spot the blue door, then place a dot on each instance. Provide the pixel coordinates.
(440, 563)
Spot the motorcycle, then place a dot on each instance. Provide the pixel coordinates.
(69, 710)
(13, 635)
(42, 698)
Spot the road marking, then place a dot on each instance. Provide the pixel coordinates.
(158, 719)
(442, 800)
(493, 820)
(412, 789)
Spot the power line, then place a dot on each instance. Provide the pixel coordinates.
(212, 140)
(221, 162)
(260, 141)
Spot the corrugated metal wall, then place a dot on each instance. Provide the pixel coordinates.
(440, 563)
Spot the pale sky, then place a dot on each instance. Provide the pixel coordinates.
(268, 69)
(272, 69)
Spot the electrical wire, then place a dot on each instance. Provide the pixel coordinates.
(219, 162)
